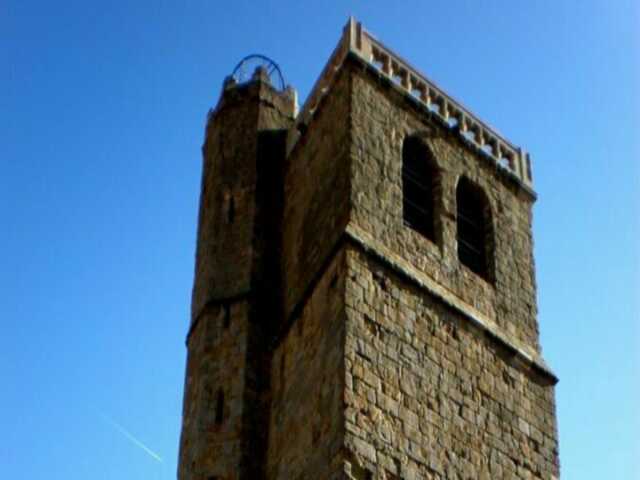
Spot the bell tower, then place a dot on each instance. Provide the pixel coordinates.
(364, 304)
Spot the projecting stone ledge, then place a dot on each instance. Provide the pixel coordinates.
(526, 358)
(356, 41)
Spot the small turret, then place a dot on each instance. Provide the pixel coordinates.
(237, 246)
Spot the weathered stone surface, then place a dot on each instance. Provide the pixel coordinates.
(235, 302)
(306, 428)
(347, 345)
(382, 118)
(477, 415)
(317, 183)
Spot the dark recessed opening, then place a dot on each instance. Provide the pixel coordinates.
(419, 176)
(219, 407)
(227, 316)
(231, 211)
(474, 228)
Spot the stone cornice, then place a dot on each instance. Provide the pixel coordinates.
(357, 41)
(525, 357)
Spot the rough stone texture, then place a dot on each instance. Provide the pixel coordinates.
(307, 415)
(307, 420)
(355, 347)
(382, 118)
(217, 360)
(429, 396)
(236, 270)
(227, 255)
(317, 187)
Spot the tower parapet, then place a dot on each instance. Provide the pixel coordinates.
(356, 40)
(364, 302)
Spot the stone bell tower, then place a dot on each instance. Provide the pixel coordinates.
(235, 293)
(364, 304)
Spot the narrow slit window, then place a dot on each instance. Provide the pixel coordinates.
(475, 242)
(418, 181)
(231, 211)
(282, 370)
(219, 407)
(227, 316)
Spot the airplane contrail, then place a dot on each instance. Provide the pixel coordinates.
(133, 439)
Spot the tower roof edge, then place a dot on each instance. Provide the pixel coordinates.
(356, 40)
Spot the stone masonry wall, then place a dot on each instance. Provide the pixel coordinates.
(216, 362)
(333, 361)
(316, 193)
(429, 396)
(227, 256)
(227, 201)
(236, 289)
(306, 430)
(382, 118)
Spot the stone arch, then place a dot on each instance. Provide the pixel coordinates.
(474, 229)
(420, 187)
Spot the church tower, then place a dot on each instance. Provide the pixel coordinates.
(364, 303)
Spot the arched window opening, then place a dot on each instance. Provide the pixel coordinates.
(419, 180)
(219, 407)
(475, 235)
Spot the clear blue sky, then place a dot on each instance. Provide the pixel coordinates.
(102, 108)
